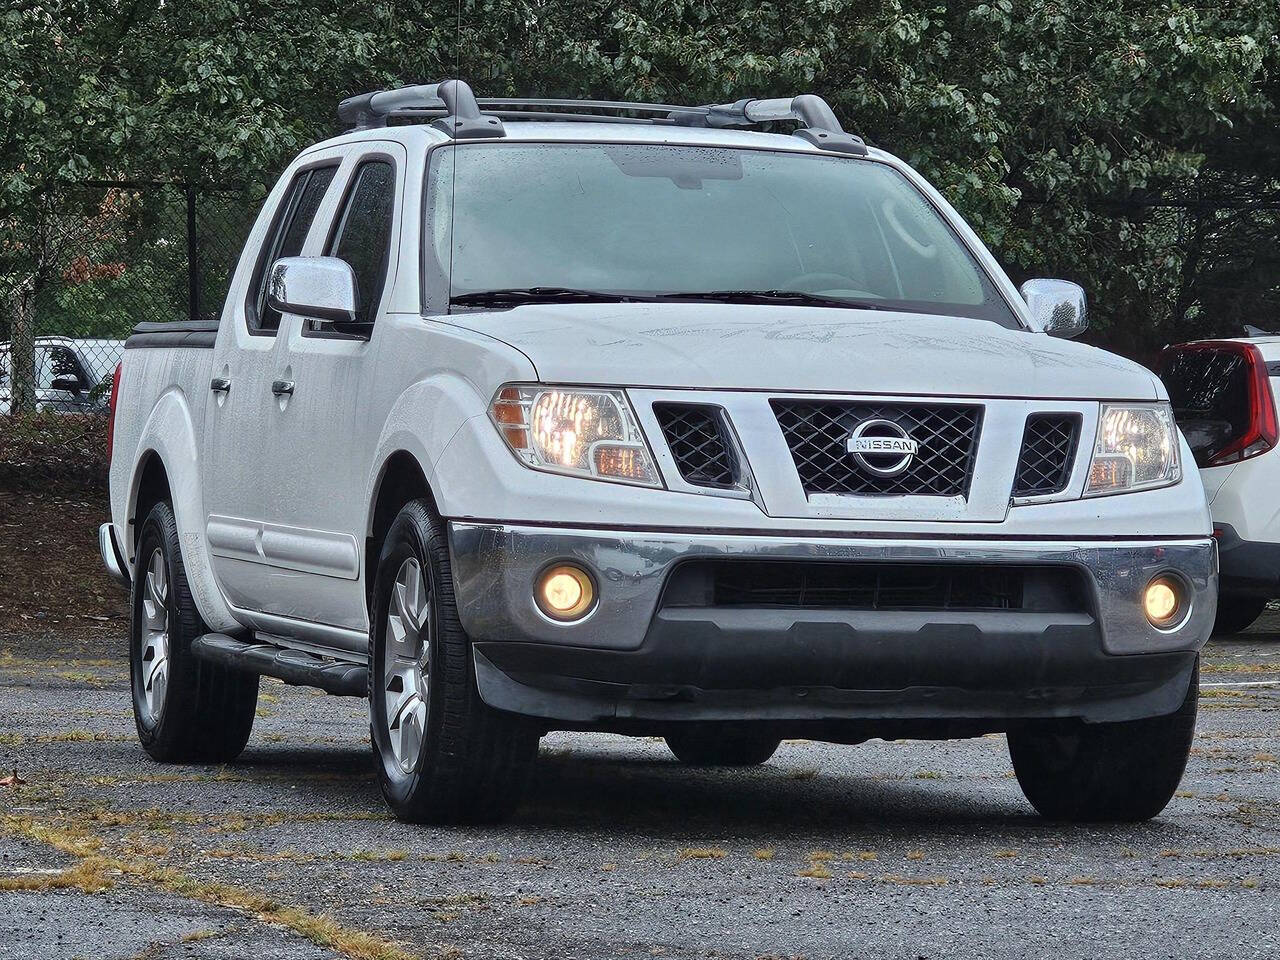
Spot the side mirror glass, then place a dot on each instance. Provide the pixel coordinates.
(1057, 307)
(318, 288)
(66, 385)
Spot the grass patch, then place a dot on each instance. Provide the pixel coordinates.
(96, 868)
(817, 870)
(703, 853)
(91, 875)
(764, 853)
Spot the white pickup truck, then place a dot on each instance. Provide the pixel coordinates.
(531, 415)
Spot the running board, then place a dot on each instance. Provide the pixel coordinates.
(297, 667)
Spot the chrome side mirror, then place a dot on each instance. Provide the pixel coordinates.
(318, 288)
(1057, 307)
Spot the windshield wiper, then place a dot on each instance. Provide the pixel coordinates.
(511, 296)
(798, 297)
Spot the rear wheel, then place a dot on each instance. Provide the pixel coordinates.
(185, 709)
(442, 755)
(715, 746)
(1107, 771)
(1236, 614)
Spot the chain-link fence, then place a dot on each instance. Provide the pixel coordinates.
(94, 261)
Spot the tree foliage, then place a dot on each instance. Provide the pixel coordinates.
(1131, 146)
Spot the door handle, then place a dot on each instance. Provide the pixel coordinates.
(282, 388)
(220, 385)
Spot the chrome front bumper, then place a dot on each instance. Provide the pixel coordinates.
(494, 568)
(635, 664)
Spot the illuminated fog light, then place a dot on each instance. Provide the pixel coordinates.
(1162, 601)
(565, 592)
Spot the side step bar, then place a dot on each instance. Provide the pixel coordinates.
(292, 666)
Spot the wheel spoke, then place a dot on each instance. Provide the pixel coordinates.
(153, 653)
(405, 672)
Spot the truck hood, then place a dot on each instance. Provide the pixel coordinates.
(786, 348)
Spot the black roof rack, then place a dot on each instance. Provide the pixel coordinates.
(451, 106)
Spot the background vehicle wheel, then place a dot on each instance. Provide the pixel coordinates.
(442, 755)
(721, 746)
(185, 709)
(1236, 614)
(1107, 771)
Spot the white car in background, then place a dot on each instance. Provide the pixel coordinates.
(1224, 400)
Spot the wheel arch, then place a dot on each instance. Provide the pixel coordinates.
(400, 479)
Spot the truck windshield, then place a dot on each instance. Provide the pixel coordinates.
(537, 222)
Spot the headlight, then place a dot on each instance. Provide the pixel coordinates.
(1137, 449)
(586, 433)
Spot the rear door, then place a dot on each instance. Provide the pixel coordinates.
(241, 405)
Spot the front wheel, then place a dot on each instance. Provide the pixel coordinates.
(442, 755)
(711, 746)
(1121, 772)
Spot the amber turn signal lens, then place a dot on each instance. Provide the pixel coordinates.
(565, 592)
(1162, 601)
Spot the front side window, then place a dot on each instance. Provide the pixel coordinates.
(288, 234)
(659, 220)
(363, 234)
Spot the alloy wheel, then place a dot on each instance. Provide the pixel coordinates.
(154, 668)
(406, 667)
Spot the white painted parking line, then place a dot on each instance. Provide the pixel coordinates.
(1244, 683)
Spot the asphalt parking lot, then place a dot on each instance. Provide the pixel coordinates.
(905, 849)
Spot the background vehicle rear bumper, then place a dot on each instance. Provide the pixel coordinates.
(639, 660)
(112, 556)
(1248, 567)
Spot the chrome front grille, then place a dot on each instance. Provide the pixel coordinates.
(817, 434)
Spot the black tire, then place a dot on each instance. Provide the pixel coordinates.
(1236, 614)
(720, 746)
(204, 713)
(1122, 772)
(473, 762)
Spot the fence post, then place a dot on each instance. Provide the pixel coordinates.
(22, 354)
(193, 266)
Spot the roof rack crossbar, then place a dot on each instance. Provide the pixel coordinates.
(619, 105)
(461, 116)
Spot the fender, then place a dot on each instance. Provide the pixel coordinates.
(424, 418)
(170, 434)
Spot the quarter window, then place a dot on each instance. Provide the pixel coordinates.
(363, 234)
(288, 234)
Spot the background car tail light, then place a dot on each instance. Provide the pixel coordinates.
(1218, 382)
(1262, 434)
(111, 409)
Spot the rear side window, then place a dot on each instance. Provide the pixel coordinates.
(1209, 390)
(363, 234)
(288, 233)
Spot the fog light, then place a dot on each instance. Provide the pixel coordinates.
(1162, 601)
(565, 592)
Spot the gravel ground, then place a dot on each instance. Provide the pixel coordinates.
(906, 849)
